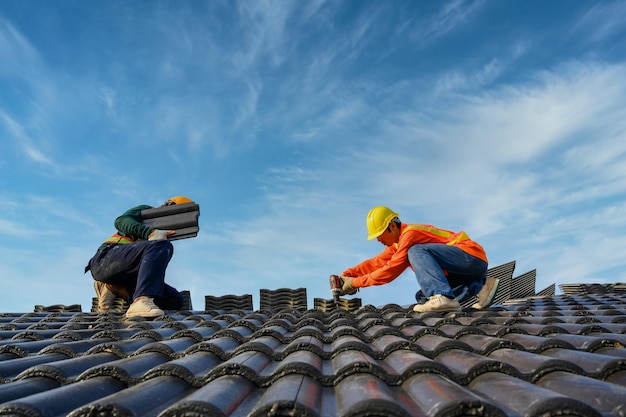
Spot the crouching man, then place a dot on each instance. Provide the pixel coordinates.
(131, 264)
(449, 266)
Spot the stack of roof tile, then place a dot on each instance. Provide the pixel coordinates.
(593, 288)
(284, 298)
(523, 285)
(119, 305)
(183, 218)
(549, 290)
(328, 305)
(228, 302)
(541, 356)
(58, 308)
(187, 305)
(509, 287)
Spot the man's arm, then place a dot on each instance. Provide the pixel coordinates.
(396, 262)
(129, 223)
(370, 265)
(383, 275)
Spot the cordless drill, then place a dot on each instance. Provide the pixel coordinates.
(336, 284)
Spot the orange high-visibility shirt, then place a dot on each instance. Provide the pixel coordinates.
(393, 260)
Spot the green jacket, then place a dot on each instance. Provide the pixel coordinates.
(130, 227)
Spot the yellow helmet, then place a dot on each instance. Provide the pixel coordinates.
(179, 199)
(378, 220)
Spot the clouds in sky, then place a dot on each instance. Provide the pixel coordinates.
(288, 121)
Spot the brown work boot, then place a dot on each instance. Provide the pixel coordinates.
(106, 298)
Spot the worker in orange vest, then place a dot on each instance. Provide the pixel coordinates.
(449, 266)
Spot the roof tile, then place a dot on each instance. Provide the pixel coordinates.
(551, 355)
(526, 399)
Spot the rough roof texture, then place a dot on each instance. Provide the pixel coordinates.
(540, 356)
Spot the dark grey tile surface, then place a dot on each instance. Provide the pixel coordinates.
(228, 302)
(348, 304)
(540, 356)
(283, 298)
(183, 218)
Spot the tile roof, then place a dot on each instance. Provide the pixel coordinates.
(539, 356)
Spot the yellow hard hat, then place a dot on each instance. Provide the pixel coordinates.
(378, 220)
(179, 199)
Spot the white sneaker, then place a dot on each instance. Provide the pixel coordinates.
(144, 307)
(106, 298)
(438, 303)
(487, 294)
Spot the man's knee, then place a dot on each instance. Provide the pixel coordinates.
(159, 249)
(417, 253)
(162, 245)
(414, 251)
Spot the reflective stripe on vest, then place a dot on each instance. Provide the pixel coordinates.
(458, 237)
(117, 238)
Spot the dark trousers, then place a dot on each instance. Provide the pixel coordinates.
(140, 267)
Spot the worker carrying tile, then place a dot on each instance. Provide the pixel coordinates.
(131, 265)
(449, 266)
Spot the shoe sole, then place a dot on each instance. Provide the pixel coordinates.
(146, 316)
(444, 310)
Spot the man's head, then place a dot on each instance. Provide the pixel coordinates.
(383, 224)
(179, 199)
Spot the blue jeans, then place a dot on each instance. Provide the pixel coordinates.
(140, 267)
(466, 274)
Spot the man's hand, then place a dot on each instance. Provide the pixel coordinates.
(158, 234)
(347, 288)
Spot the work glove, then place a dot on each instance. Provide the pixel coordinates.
(347, 288)
(158, 234)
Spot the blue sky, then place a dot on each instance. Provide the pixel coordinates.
(288, 120)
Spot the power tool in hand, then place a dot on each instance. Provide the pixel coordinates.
(336, 284)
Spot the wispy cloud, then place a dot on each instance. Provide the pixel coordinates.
(23, 141)
(263, 24)
(8, 228)
(602, 21)
(463, 79)
(19, 60)
(451, 15)
(17, 54)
